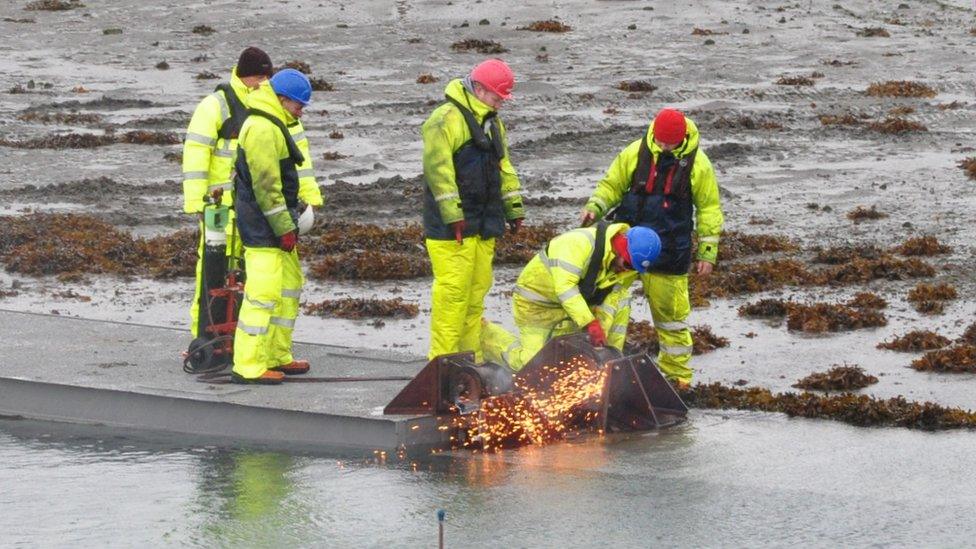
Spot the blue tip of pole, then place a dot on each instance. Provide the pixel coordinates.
(441, 514)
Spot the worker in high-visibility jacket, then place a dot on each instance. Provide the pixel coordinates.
(268, 209)
(664, 181)
(580, 281)
(471, 192)
(209, 149)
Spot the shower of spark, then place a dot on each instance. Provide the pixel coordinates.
(563, 401)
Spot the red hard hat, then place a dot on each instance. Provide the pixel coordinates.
(495, 75)
(670, 127)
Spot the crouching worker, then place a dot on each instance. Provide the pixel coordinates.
(579, 282)
(267, 205)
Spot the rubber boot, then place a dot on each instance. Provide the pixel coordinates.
(294, 368)
(269, 377)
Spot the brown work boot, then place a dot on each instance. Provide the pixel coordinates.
(269, 377)
(294, 368)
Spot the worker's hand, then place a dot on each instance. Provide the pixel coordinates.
(597, 336)
(515, 225)
(704, 268)
(587, 218)
(459, 227)
(288, 241)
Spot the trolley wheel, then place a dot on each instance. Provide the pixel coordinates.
(199, 355)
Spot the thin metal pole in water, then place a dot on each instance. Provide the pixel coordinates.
(440, 528)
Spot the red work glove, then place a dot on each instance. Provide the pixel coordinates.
(597, 337)
(287, 241)
(515, 225)
(459, 227)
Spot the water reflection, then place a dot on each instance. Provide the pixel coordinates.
(249, 498)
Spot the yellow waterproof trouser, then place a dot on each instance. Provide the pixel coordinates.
(667, 296)
(274, 285)
(462, 278)
(538, 324)
(234, 249)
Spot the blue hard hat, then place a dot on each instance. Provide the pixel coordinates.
(292, 84)
(644, 245)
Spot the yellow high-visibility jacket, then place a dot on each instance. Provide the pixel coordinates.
(444, 132)
(704, 188)
(549, 284)
(208, 159)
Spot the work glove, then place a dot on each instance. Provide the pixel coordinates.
(459, 227)
(515, 225)
(288, 241)
(597, 336)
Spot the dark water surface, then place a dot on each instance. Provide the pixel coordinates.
(734, 479)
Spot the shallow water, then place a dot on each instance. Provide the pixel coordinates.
(733, 479)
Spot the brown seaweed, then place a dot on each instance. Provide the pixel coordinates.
(358, 308)
(916, 340)
(838, 378)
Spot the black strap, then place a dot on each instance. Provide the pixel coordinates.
(587, 284)
(293, 152)
(481, 140)
(230, 128)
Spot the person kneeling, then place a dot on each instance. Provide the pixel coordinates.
(580, 281)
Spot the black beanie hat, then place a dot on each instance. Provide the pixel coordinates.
(254, 62)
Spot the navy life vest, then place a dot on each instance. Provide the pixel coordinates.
(660, 199)
(230, 128)
(478, 176)
(255, 230)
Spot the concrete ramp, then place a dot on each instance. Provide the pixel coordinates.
(130, 376)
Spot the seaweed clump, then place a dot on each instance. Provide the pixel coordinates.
(53, 5)
(830, 317)
(956, 359)
(72, 245)
(969, 165)
(426, 78)
(91, 141)
(765, 308)
(900, 88)
(847, 119)
(794, 81)
(748, 278)
(838, 255)
(896, 125)
(860, 410)
(357, 308)
(549, 25)
(922, 246)
(486, 47)
(874, 32)
(931, 298)
(916, 340)
(642, 338)
(861, 213)
(60, 117)
(867, 300)
(885, 267)
(838, 378)
(969, 336)
(370, 265)
(638, 86)
(736, 245)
